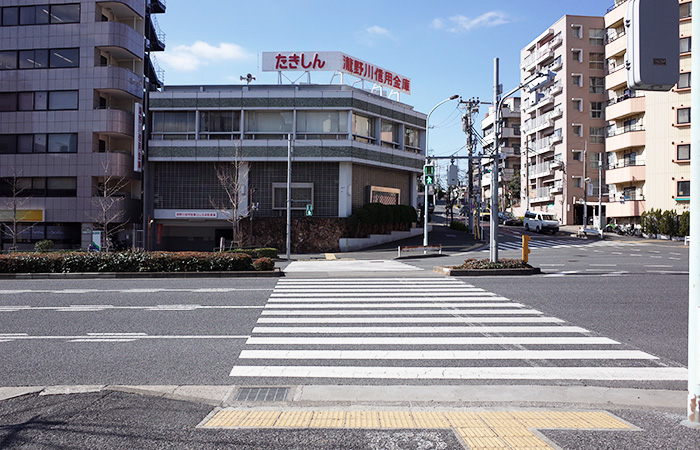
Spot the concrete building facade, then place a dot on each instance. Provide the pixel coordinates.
(562, 121)
(648, 133)
(350, 147)
(72, 77)
(510, 162)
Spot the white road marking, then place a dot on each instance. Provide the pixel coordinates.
(400, 312)
(421, 330)
(657, 265)
(425, 298)
(603, 265)
(468, 373)
(448, 354)
(452, 340)
(455, 319)
(434, 304)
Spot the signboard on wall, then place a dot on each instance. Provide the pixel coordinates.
(334, 62)
(138, 137)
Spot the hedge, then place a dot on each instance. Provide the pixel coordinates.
(65, 262)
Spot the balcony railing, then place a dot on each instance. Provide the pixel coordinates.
(609, 39)
(617, 3)
(627, 163)
(619, 131)
(622, 197)
(622, 98)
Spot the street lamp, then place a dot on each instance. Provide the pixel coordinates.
(425, 186)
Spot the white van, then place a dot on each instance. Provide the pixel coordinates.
(541, 221)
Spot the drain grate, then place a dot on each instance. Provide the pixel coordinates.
(262, 394)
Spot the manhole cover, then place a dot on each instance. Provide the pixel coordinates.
(262, 394)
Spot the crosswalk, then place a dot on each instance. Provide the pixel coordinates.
(426, 329)
(557, 243)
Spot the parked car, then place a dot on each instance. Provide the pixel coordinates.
(540, 222)
(508, 218)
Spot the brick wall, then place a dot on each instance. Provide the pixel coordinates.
(363, 176)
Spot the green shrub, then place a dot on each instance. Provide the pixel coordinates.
(651, 220)
(459, 226)
(668, 224)
(264, 264)
(684, 224)
(487, 264)
(43, 246)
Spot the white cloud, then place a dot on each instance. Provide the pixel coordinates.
(189, 58)
(370, 35)
(462, 23)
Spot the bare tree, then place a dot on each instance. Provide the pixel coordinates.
(232, 178)
(110, 201)
(10, 222)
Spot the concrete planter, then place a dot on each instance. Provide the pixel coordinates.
(485, 272)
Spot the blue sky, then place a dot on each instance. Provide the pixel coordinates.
(444, 47)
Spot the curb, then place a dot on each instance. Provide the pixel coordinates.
(123, 275)
(485, 272)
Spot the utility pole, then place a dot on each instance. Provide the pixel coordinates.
(495, 164)
(585, 184)
(471, 108)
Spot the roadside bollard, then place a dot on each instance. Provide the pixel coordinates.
(526, 247)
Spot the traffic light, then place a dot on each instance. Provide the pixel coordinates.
(429, 172)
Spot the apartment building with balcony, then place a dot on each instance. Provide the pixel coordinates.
(509, 143)
(648, 133)
(72, 79)
(562, 121)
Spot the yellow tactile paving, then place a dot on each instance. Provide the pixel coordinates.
(260, 419)
(396, 419)
(362, 419)
(226, 418)
(294, 419)
(430, 419)
(486, 430)
(328, 419)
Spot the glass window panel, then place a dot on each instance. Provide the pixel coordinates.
(65, 13)
(362, 126)
(220, 121)
(61, 187)
(27, 15)
(683, 115)
(33, 59)
(411, 138)
(25, 143)
(40, 100)
(63, 100)
(334, 122)
(8, 60)
(684, 80)
(683, 152)
(269, 121)
(8, 101)
(25, 101)
(8, 143)
(64, 57)
(39, 143)
(685, 45)
(63, 143)
(390, 132)
(684, 188)
(10, 16)
(42, 14)
(38, 232)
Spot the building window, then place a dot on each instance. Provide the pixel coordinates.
(40, 59)
(577, 129)
(577, 54)
(577, 155)
(64, 57)
(62, 143)
(8, 60)
(362, 128)
(683, 188)
(411, 140)
(686, 11)
(220, 125)
(596, 85)
(596, 36)
(268, 124)
(39, 143)
(577, 79)
(630, 125)
(61, 100)
(41, 14)
(596, 110)
(683, 116)
(173, 125)
(683, 152)
(596, 61)
(390, 134)
(322, 124)
(684, 80)
(302, 195)
(33, 59)
(597, 135)
(578, 182)
(577, 31)
(41, 187)
(685, 44)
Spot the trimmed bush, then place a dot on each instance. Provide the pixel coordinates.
(65, 262)
(264, 264)
(668, 224)
(487, 264)
(459, 226)
(43, 245)
(684, 224)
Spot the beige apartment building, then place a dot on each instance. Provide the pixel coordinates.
(648, 133)
(562, 120)
(509, 143)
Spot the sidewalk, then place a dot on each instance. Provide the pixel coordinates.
(347, 417)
